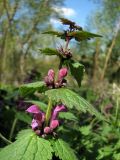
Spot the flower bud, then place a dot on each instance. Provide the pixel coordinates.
(62, 73)
(54, 124)
(51, 74)
(47, 130)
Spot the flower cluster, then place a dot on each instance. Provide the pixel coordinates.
(38, 122)
(66, 53)
(60, 82)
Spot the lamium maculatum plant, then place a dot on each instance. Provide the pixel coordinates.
(42, 140)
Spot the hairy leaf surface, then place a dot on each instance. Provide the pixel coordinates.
(68, 116)
(32, 87)
(77, 71)
(72, 99)
(63, 151)
(70, 23)
(23, 117)
(49, 51)
(58, 34)
(82, 35)
(28, 146)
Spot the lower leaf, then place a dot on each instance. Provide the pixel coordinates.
(28, 146)
(63, 150)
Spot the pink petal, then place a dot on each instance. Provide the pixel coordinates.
(60, 108)
(47, 130)
(33, 109)
(51, 74)
(62, 73)
(57, 109)
(54, 124)
(34, 124)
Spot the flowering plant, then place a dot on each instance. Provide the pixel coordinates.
(41, 142)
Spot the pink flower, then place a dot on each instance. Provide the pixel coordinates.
(54, 123)
(38, 116)
(38, 121)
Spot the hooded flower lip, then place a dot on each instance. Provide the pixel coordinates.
(56, 110)
(38, 116)
(33, 109)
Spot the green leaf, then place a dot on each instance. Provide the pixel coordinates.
(82, 35)
(49, 51)
(40, 104)
(68, 116)
(28, 146)
(32, 87)
(77, 71)
(23, 117)
(63, 150)
(85, 130)
(62, 35)
(72, 24)
(72, 99)
(66, 21)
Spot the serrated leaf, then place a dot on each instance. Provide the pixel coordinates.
(63, 150)
(23, 117)
(30, 88)
(77, 71)
(85, 130)
(58, 34)
(82, 35)
(40, 104)
(28, 146)
(67, 21)
(68, 116)
(72, 24)
(72, 99)
(49, 51)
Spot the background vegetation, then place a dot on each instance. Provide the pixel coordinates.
(21, 25)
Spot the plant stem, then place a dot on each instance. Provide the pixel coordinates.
(5, 139)
(48, 112)
(13, 128)
(61, 62)
(67, 42)
(117, 111)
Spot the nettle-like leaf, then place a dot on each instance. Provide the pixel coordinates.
(72, 24)
(62, 35)
(30, 88)
(40, 104)
(72, 99)
(63, 151)
(77, 71)
(66, 21)
(85, 130)
(68, 116)
(49, 51)
(28, 146)
(23, 117)
(82, 35)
